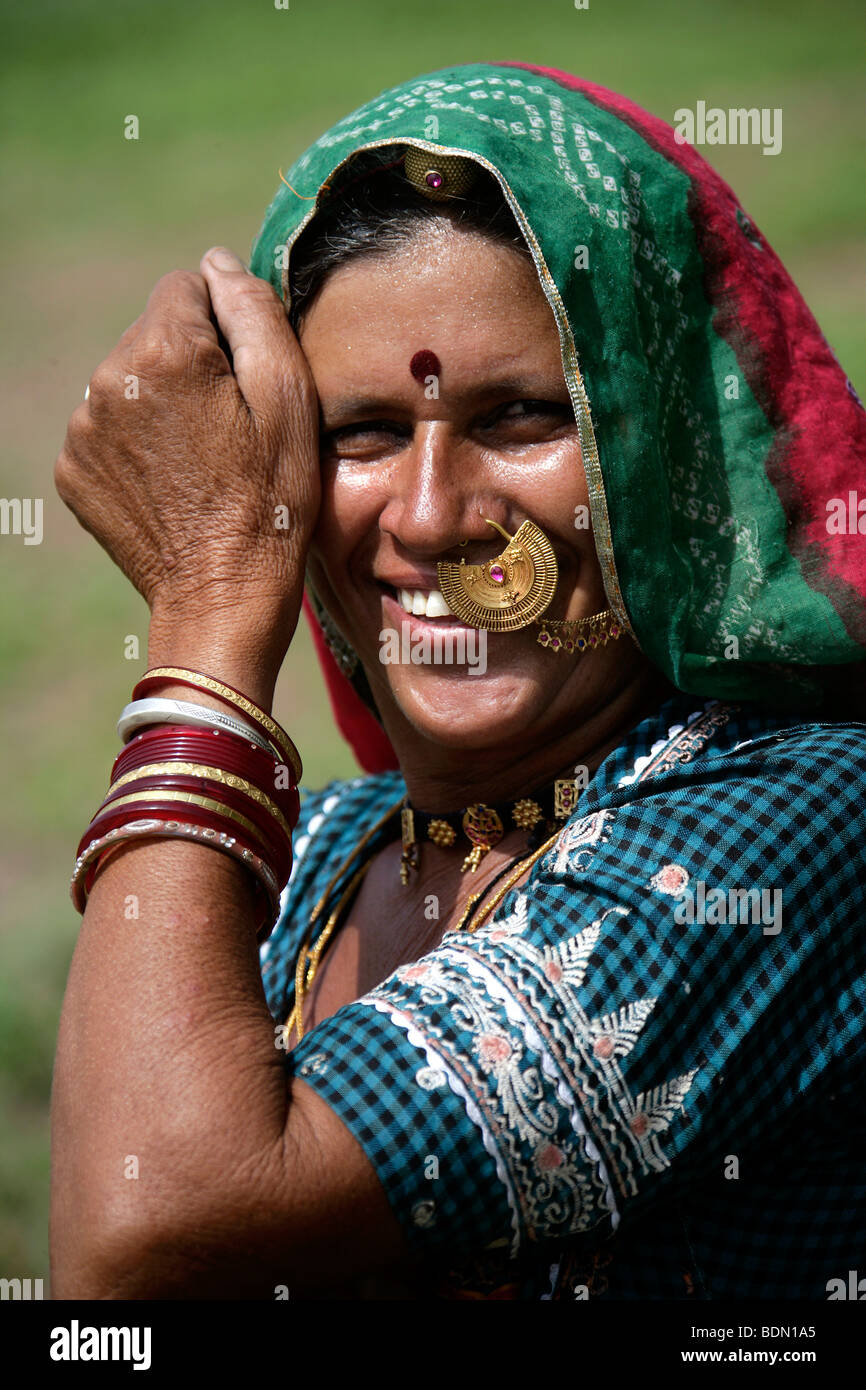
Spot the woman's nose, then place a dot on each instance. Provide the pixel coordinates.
(438, 493)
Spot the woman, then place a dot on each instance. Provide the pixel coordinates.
(557, 982)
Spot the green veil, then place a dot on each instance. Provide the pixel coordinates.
(723, 444)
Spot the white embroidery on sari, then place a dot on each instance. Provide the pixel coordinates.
(573, 850)
(539, 1077)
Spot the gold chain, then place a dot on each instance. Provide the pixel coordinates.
(311, 957)
(509, 883)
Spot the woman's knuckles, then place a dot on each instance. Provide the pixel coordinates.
(169, 354)
(179, 294)
(174, 471)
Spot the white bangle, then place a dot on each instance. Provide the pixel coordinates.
(159, 711)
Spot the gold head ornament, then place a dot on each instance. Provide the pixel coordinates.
(439, 176)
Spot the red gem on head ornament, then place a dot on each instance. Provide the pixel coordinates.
(424, 363)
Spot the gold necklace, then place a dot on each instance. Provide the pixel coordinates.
(485, 912)
(309, 959)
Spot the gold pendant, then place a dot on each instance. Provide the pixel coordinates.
(474, 858)
(409, 856)
(526, 813)
(441, 833)
(565, 797)
(439, 176)
(483, 827)
(508, 592)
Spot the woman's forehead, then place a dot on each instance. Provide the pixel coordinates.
(479, 300)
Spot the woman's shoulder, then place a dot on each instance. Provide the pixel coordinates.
(734, 795)
(342, 808)
(689, 743)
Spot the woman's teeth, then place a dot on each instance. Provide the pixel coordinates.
(422, 604)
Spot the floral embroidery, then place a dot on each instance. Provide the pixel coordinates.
(424, 1213)
(416, 971)
(549, 1094)
(574, 848)
(516, 921)
(670, 879)
(314, 1065)
(431, 1079)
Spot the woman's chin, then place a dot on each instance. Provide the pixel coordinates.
(465, 709)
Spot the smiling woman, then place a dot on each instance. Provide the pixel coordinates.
(567, 407)
(414, 479)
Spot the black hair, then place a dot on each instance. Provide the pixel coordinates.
(371, 209)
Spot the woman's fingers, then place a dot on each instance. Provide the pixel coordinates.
(199, 474)
(254, 324)
(179, 299)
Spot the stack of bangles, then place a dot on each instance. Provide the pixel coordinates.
(193, 772)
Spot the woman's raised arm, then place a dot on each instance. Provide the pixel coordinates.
(182, 1164)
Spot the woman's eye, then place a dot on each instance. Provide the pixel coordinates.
(365, 435)
(518, 411)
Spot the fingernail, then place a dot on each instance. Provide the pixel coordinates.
(223, 259)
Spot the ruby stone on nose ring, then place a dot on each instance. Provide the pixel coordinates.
(508, 592)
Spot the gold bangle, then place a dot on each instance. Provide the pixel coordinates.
(188, 799)
(275, 733)
(213, 774)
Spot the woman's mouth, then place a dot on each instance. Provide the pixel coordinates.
(422, 605)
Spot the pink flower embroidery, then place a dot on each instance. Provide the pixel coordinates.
(639, 1125)
(493, 1048)
(670, 879)
(414, 972)
(603, 1047)
(549, 1157)
(553, 972)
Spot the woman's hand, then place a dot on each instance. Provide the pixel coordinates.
(196, 471)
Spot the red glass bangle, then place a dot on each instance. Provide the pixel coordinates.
(231, 744)
(272, 833)
(236, 800)
(250, 844)
(285, 805)
(203, 819)
(209, 748)
(165, 811)
(196, 680)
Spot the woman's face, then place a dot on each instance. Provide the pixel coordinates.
(407, 475)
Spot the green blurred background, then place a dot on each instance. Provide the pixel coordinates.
(228, 91)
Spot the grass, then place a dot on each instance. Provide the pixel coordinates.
(226, 92)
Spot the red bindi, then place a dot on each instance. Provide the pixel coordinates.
(424, 363)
